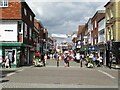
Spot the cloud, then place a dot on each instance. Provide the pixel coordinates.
(64, 17)
(67, 0)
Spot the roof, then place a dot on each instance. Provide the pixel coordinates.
(109, 2)
(99, 11)
(23, 1)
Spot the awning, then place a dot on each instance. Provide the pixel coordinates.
(10, 44)
(84, 48)
(94, 48)
(14, 45)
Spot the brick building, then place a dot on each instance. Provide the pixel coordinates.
(94, 32)
(16, 31)
(79, 41)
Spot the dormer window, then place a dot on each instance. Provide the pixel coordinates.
(3, 3)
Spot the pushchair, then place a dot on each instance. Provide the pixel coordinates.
(89, 63)
(38, 63)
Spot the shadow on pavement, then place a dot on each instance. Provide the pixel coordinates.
(3, 81)
(4, 73)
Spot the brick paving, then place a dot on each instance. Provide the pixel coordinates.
(52, 76)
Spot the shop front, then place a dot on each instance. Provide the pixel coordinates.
(84, 50)
(18, 53)
(93, 50)
(12, 51)
(102, 52)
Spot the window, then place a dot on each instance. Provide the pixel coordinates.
(8, 30)
(95, 24)
(112, 32)
(19, 26)
(109, 34)
(25, 31)
(25, 11)
(3, 3)
(112, 12)
(95, 41)
(30, 18)
(92, 26)
(30, 33)
(108, 15)
(91, 40)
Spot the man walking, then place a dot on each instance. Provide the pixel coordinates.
(42, 59)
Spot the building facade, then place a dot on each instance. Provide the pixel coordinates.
(102, 39)
(16, 28)
(113, 29)
(80, 38)
(89, 36)
(94, 32)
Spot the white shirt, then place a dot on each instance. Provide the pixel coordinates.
(77, 56)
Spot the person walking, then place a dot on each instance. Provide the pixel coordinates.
(57, 60)
(99, 59)
(112, 60)
(45, 58)
(7, 63)
(77, 57)
(42, 59)
(81, 59)
(94, 61)
(66, 62)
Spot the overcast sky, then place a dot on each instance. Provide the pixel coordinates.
(64, 17)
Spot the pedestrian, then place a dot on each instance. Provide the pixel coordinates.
(66, 61)
(7, 63)
(45, 58)
(68, 58)
(3, 62)
(57, 60)
(99, 59)
(42, 59)
(77, 57)
(10, 59)
(55, 56)
(112, 60)
(94, 59)
(81, 59)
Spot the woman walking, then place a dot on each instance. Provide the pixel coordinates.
(45, 58)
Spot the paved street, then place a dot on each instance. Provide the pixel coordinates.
(61, 77)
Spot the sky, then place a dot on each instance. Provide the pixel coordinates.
(63, 17)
